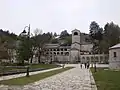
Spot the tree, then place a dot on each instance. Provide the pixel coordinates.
(64, 34)
(39, 41)
(111, 36)
(3, 51)
(24, 50)
(55, 34)
(6, 46)
(37, 31)
(96, 35)
(68, 40)
(54, 41)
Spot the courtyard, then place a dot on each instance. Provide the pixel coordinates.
(73, 79)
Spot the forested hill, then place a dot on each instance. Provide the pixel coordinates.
(7, 33)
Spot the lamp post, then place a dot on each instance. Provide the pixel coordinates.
(94, 61)
(28, 37)
(28, 30)
(28, 34)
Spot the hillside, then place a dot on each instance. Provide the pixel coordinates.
(67, 40)
(7, 41)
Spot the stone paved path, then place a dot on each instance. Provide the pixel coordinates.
(74, 79)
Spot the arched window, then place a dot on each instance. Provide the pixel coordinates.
(83, 57)
(54, 53)
(75, 33)
(88, 58)
(61, 53)
(58, 53)
(96, 58)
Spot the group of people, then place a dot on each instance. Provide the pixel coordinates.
(86, 64)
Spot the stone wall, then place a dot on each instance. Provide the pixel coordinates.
(98, 58)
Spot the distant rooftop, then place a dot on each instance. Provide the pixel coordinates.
(115, 46)
(75, 30)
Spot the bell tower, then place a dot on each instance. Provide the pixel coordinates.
(76, 39)
(75, 46)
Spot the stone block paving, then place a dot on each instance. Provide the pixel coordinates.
(73, 79)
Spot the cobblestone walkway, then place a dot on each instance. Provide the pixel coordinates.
(74, 79)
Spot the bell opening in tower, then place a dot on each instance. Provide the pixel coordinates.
(75, 33)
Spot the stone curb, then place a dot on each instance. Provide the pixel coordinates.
(93, 84)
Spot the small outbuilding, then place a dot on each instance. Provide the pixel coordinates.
(114, 57)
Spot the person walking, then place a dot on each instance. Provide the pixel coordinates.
(81, 65)
(88, 65)
(85, 64)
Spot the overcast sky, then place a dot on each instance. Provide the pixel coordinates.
(57, 15)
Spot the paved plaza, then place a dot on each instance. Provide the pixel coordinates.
(73, 79)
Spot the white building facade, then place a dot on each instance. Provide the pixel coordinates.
(77, 52)
(114, 57)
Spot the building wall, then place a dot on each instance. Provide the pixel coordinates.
(114, 62)
(86, 47)
(98, 58)
(75, 45)
(62, 58)
(74, 56)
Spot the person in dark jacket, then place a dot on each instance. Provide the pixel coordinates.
(88, 65)
(81, 65)
(85, 65)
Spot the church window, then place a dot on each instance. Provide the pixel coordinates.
(75, 33)
(61, 49)
(65, 49)
(67, 53)
(57, 53)
(54, 53)
(114, 53)
(83, 57)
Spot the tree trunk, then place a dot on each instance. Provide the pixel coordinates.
(39, 58)
(39, 55)
(22, 62)
(31, 59)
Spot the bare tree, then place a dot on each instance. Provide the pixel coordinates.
(37, 31)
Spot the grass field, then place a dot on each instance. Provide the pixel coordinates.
(32, 66)
(106, 79)
(32, 78)
(48, 66)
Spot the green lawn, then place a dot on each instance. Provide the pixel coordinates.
(43, 66)
(32, 66)
(25, 80)
(106, 79)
